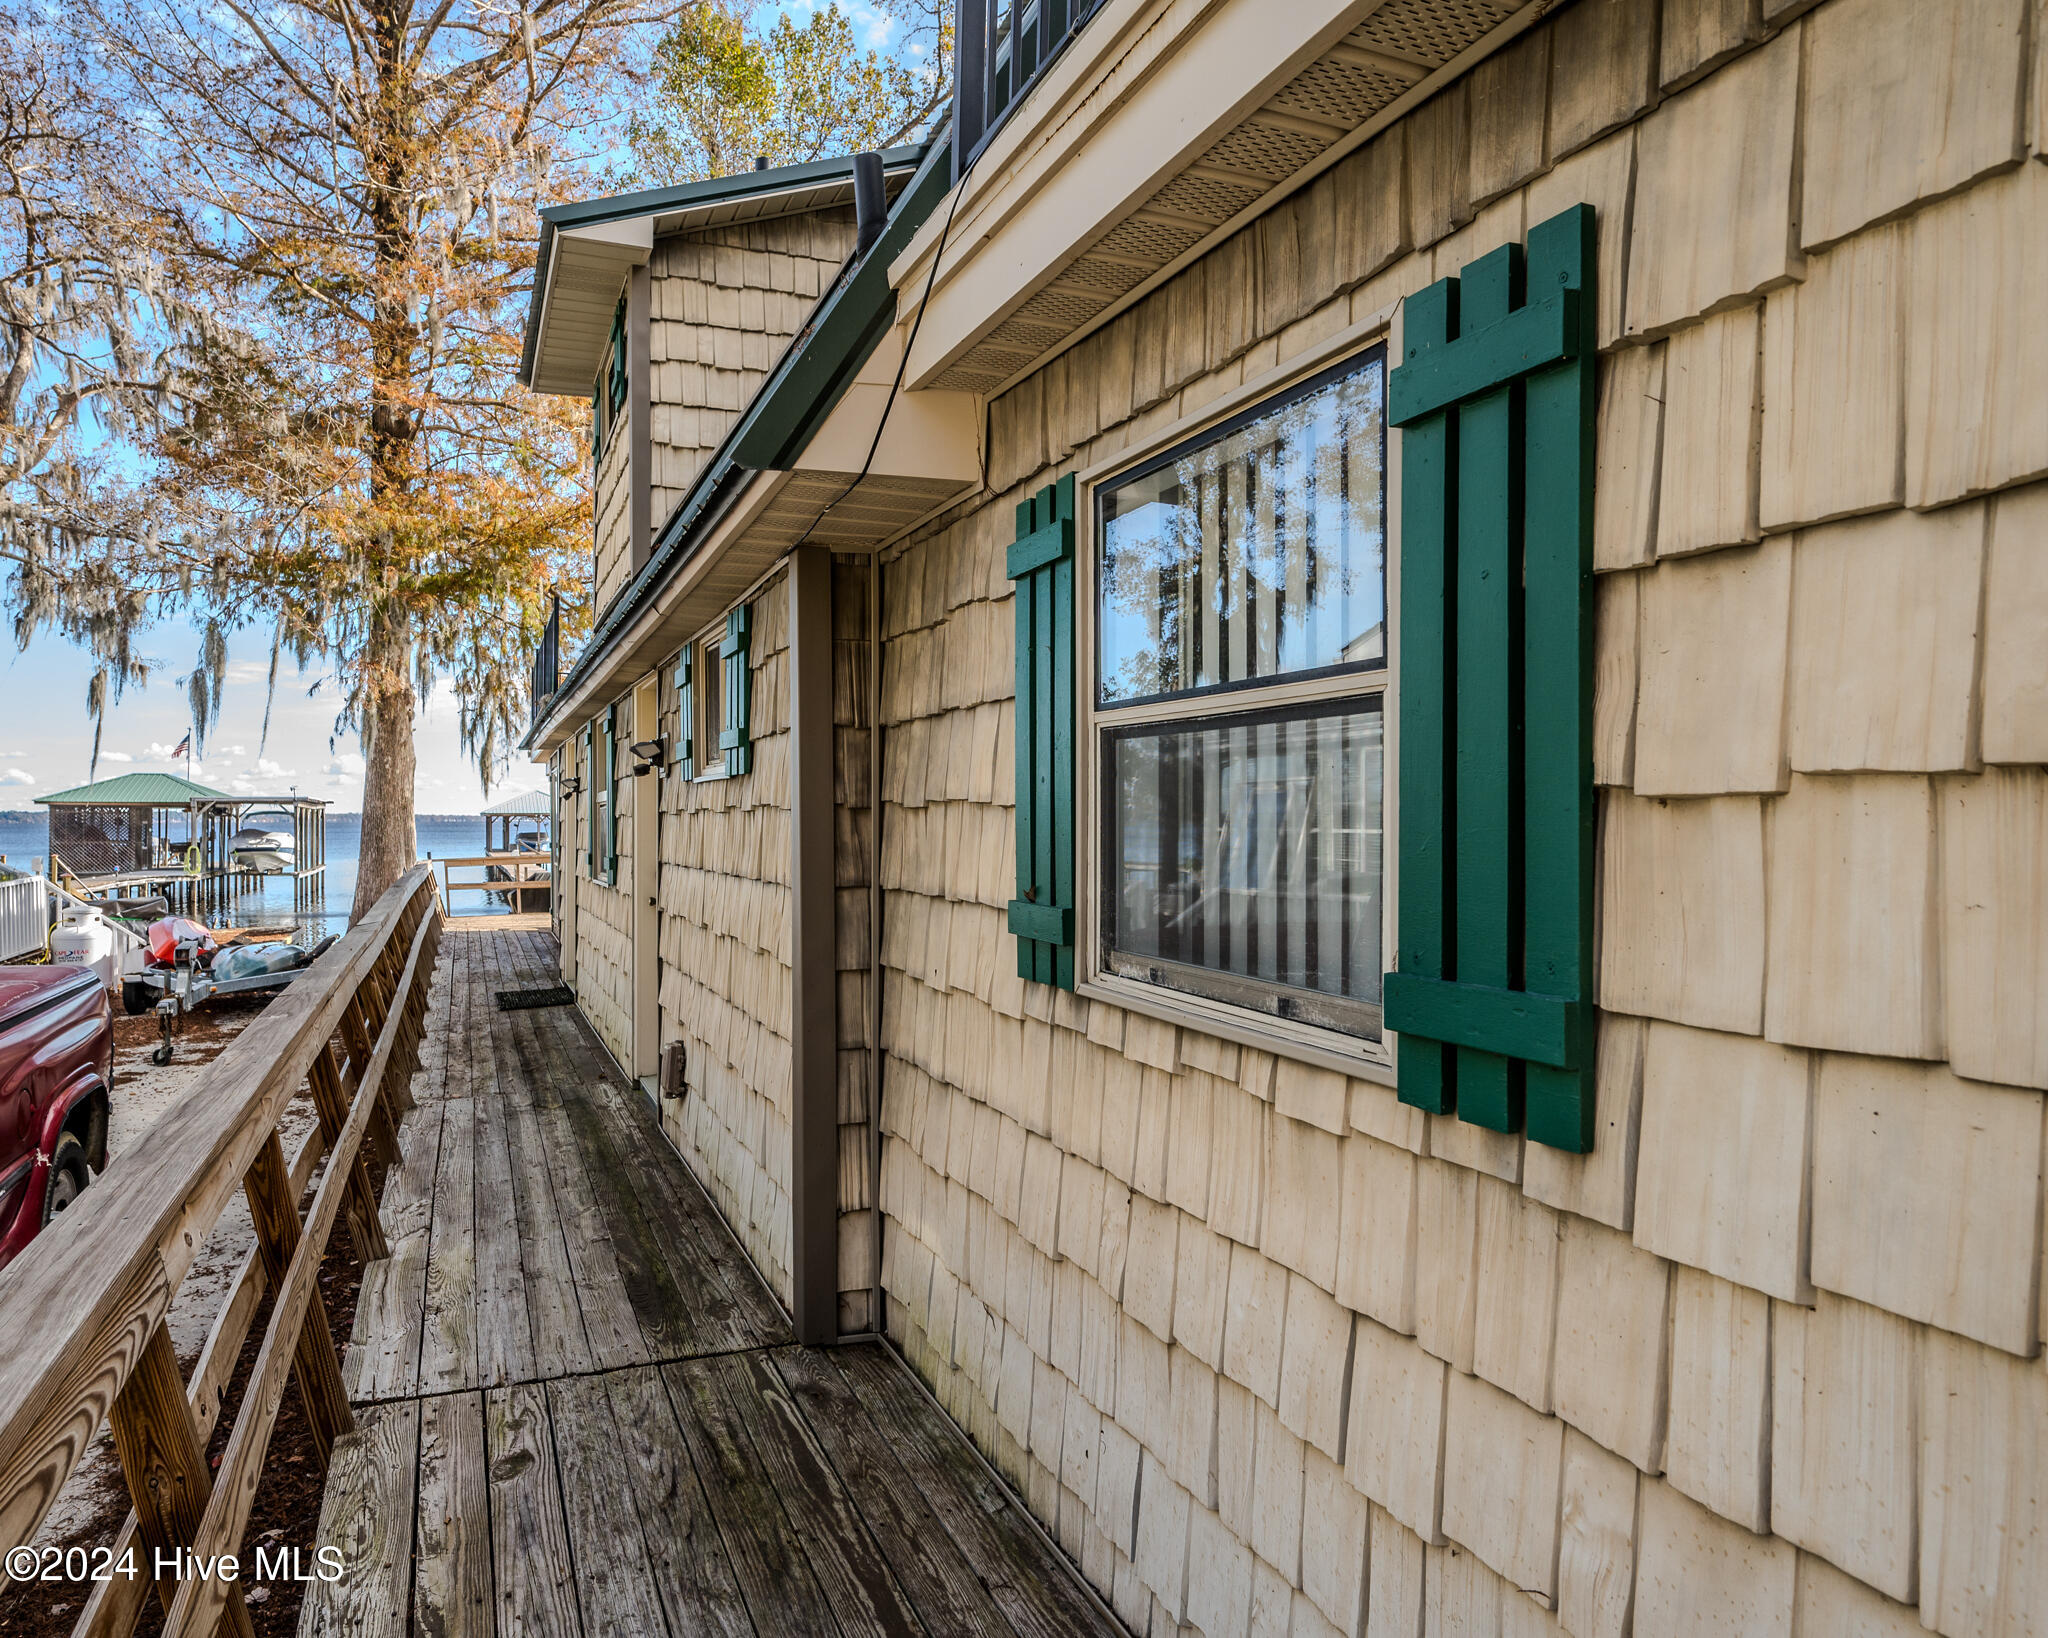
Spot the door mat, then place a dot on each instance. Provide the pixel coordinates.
(556, 995)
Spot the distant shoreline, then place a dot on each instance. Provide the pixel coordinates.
(37, 815)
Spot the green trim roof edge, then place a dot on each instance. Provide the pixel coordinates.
(137, 790)
(811, 377)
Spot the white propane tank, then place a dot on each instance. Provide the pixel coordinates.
(82, 938)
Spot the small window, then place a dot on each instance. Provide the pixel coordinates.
(1240, 666)
(708, 685)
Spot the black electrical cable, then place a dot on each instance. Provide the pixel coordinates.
(916, 324)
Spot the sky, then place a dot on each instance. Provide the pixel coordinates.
(46, 735)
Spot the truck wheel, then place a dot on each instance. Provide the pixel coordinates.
(135, 998)
(69, 1175)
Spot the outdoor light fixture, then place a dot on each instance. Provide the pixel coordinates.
(572, 787)
(646, 754)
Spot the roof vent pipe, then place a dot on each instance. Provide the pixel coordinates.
(870, 202)
(760, 162)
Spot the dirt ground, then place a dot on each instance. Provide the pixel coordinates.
(94, 1503)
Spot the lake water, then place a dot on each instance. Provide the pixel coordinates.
(318, 906)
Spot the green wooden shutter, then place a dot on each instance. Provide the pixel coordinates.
(1041, 562)
(1495, 399)
(610, 743)
(686, 716)
(736, 741)
(589, 737)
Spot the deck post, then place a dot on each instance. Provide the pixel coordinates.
(365, 1226)
(164, 1461)
(814, 1104)
(275, 1215)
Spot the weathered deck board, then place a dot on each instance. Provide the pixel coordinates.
(448, 1354)
(940, 1580)
(767, 1556)
(856, 1579)
(504, 1326)
(1027, 1578)
(368, 1513)
(536, 1576)
(594, 1418)
(453, 1588)
(614, 1582)
(692, 1574)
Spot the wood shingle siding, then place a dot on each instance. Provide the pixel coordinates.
(725, 956)
(726, 302)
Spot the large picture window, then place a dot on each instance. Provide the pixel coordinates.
(1240, 623)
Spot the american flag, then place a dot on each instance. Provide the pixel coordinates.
(183, 745)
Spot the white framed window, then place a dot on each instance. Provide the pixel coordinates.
(1235, 754)
(707, 687)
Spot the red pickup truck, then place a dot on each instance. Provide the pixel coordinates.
(56, 1070)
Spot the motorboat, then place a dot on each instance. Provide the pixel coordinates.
(266, 851)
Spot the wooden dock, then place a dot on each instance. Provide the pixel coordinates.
(580, 1412)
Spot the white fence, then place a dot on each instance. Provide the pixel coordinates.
(25, 919)
(24, 916)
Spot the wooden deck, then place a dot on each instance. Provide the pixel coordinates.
(580, 1412)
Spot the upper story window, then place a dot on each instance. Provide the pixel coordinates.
(608, 398)
(1241, 665)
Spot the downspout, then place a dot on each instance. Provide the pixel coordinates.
(814, 1091)
(878, 1314)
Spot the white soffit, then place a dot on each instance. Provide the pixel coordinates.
(1392, 56)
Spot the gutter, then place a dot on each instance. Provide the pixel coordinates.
(814, 372)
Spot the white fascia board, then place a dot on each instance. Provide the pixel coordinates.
(634, 236)
(931, 434)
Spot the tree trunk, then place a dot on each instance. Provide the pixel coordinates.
(390, 843)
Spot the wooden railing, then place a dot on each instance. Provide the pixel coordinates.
(527, 876)
(82, 1310)
(1000, 47)
(547, 662)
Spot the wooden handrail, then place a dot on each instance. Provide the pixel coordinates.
(524, 873)
(80, 1308)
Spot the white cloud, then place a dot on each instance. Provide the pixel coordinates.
(346, 766)
(17, 776)
(161, 753)
(267, 769)
(115, 756)
(236, 750)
